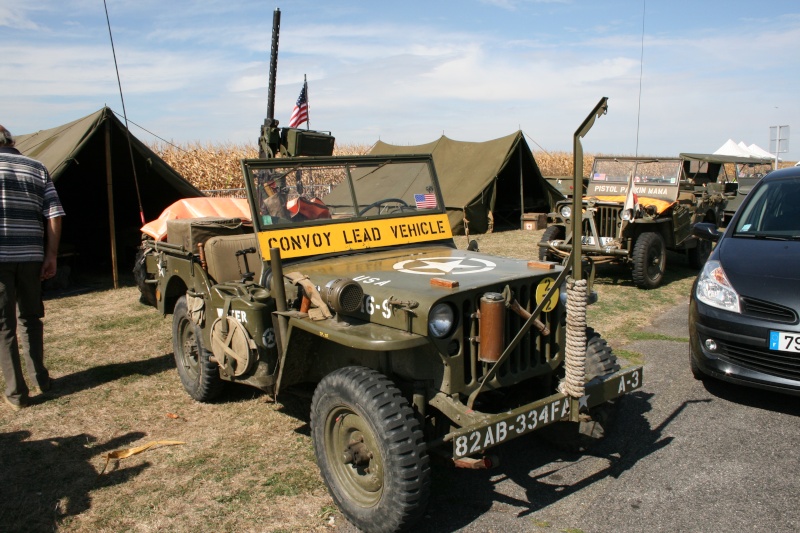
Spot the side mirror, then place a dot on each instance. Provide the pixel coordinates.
(706, 231)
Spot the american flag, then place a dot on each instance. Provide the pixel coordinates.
(425, 201)
(300, 111)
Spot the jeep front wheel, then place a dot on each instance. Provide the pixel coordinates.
(649, 260)
(552, 233)
(199, 375)
(369, 449)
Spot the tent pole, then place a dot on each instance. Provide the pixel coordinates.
(521, 189)
(109, 185)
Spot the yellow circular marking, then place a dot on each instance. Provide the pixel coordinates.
(541, 291)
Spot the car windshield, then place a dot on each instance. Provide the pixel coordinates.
(772, 210)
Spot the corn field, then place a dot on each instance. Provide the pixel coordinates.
(216, 167)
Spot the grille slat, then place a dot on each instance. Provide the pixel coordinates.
(781, 364)
(524, 361)
(768, 310)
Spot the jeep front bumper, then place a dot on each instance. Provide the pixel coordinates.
(481, 431)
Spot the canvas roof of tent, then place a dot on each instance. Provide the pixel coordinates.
(730, 147)
(760, 152)
(720, 158)
(75, 155)
(467, 172)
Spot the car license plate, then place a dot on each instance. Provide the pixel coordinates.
(784, 342)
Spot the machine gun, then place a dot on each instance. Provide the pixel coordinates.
(287, 141)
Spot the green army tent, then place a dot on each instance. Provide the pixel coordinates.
(490, 184)
(89, 160)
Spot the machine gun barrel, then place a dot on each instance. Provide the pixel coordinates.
(273, 64)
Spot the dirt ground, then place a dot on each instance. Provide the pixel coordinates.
(244, 463)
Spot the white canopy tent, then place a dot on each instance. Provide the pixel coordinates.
(743, 150)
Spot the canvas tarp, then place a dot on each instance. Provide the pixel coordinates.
(89, 160)
(490, 184)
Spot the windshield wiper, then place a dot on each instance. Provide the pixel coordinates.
(764, 236)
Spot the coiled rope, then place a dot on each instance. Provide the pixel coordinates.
(575, 379)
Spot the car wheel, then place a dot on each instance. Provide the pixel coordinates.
(699, 254)
(370, 449)
(583, 435)
(552, 233)
(649, 260)
(199, 375)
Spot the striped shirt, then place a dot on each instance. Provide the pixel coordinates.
(27, 197)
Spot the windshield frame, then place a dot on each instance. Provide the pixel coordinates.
(352, 224)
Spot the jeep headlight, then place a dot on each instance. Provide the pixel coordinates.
(441, 320)
(714, 289)
(627, 214)
(566, 211)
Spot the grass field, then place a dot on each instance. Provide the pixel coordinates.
(246, 463)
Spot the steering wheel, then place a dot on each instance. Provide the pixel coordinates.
(381, 202)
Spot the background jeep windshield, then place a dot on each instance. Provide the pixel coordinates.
(664, 172)
(303, 191)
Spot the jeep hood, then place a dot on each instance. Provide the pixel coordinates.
(407, 274)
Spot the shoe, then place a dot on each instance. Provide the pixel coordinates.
(16, 406)
(47, 385)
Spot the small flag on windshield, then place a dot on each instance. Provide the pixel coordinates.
(425, 201)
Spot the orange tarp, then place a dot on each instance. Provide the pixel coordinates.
(198, 208)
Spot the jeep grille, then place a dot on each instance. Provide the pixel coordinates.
(529, 358)
(607, 220)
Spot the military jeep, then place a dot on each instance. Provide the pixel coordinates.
(416, 349)
(634, 210)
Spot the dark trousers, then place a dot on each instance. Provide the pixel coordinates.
(21, 312)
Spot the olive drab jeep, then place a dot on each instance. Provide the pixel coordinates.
(416, 349)
(634, 210)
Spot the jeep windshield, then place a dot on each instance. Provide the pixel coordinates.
(652, 178)
(312, 206)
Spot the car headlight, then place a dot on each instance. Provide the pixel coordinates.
(441, 320)
(714, 289)
(566, 211)
(627, 214)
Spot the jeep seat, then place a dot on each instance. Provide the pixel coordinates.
(222, 262)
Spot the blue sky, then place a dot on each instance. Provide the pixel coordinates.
(406, 72)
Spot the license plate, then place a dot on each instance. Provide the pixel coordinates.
(783, 341)
(494, 434)
(529, 418)
(590, 241)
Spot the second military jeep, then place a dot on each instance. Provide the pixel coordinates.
(415, 348)
(634, 210)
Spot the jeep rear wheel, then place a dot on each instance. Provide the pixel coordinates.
(369, 449)
(595, 425)
(199, 375)
(649, 260)
(552, 233)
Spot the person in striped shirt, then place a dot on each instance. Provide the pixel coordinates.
(30, 229)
